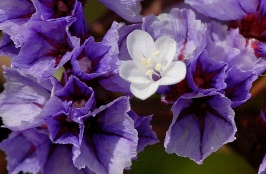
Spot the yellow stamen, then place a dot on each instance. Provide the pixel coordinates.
(158, 67)
(156, 53)
(149, 73)
(143, 61)
(149, 61)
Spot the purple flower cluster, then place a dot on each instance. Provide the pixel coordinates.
(64, 123)
(60, 97)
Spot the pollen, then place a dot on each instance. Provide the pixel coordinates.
(156, 53)
(149, 73)
(158, 67)
(149, 61)
(143, 61)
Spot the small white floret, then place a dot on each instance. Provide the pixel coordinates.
(152, 64)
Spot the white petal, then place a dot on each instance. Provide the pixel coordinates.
(167, 48)
(133, 72)
(140, 44)
(144, 90)
(175, 72)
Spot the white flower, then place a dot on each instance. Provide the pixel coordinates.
(152, 64)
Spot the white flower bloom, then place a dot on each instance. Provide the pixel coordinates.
(152, 64)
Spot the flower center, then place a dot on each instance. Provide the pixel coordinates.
(153, 70)
(85, 64)
(79, 103)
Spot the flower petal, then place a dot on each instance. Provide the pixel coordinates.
(174, 73)
(224, 10)
(133, 72)
(22, 100)
(167, 48)
(140, 44)
(129, 10)
(20, 153)
(144, 90)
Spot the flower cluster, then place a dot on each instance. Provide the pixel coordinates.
(67, 97)
(64, 123)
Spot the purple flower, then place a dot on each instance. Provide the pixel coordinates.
(250, 21)
(105, 140)
(129, 10)
(47, 46)
(109, 141)
(95, 59)
(31, 151)
(233, 49)
(22, 100)
(61, 113)
(62, 125)
(78, 95)
(243, 67)
(14, 14)
(205, 75)
(56, 9)
(21, 151)
(225, 10)
(201, 125)
(91, 60)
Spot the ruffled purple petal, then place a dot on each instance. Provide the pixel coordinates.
(145, 133)
(16, 9)
(80, 96)
(22, 100)
(110, 40)
(129, 10)
(14, 14)
(21, 153)
(233, 49)
(63, 130)
(62, 111)
(225, 10)
(7, 47)
(80, 28)
(239, 84)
